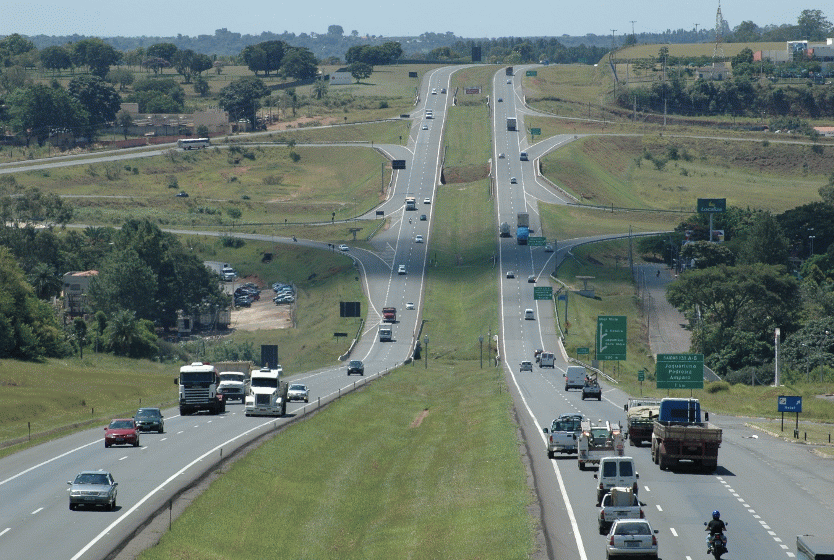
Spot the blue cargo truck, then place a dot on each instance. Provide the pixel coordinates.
(521, 235)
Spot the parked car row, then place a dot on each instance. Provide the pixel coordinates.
(284, 293)
(246, 294)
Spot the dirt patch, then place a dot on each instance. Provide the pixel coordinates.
(299, 122)
(419, 419)
(263, 314)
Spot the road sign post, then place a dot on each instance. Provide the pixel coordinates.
(611, 337)
(680, 371)
(787, 403)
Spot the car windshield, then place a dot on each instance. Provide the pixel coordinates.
(297, 387)
(148, 414)
(264, 382)
(231, 377)
(569, 425)
(355, 364)
(632, 529)
(91, 478)
(121, 425)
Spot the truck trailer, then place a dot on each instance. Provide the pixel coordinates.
(679, 436)
(640, 415)
(512, 123)
(523, 219)
(522, 234)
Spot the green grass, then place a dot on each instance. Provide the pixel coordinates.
(450, 487)
(263, 183)
(388, 132)
(611, 170)
(54, 397)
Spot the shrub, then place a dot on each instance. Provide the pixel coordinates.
(716, 387)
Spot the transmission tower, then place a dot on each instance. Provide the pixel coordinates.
(718, 53)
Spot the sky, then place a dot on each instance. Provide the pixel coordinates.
(484, 18)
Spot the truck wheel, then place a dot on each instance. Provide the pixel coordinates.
(599, 398)
(550, 454)
(581, 465)
(602, 530)
(664, 464)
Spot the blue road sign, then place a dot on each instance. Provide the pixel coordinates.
(789, 404)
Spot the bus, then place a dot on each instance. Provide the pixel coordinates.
(191, 143)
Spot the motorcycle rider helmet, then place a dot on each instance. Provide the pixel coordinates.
(715, 514)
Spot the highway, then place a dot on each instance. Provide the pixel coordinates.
(767, 489)
(33, 481)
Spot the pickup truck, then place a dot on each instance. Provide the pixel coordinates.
(640, 415)
(561, 437)
(620, 503)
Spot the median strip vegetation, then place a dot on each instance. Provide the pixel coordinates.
(362, 479)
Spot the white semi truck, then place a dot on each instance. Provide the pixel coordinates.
(198, 384)
(267, 393)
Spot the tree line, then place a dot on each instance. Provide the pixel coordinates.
(767, 274)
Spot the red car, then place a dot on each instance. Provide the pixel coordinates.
(121, 431)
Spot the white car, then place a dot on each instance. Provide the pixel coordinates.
(528, 315)
(509, 81)
(409, 305)
(434, 91)
(510, 274)
(401, 269)
(631, 537)
(425, 127)
(344, 247)
(426, 201)
(418, 239)
(298, 392)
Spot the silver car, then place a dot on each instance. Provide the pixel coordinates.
(631, 537)
(93, 488)
(298, 392)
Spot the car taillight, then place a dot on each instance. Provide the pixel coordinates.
(642, 515)
(600, 485)
(611, 542)
(654, 540)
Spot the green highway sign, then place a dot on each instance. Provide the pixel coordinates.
(611, 337)
(711, 205)
(534, 131)
(536, 241)
(680, 371)
(543, 292)
(532, 73)
(583, 351)
(641, 375)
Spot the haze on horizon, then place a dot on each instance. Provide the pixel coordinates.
(485, 19)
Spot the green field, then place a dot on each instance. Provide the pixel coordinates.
(613, 170)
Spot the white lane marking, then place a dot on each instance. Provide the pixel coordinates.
(62, 455)
(163, 439)
(659, 508)
(4, 531)
(37, 510)
(171, 478)
(180, 432)
(123, 458)
(674, 533)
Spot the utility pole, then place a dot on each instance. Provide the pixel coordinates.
(633, 21)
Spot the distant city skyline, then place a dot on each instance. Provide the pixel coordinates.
(487, 18)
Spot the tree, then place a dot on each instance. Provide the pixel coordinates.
(241, 98)
(165, 51)
(813, 25)
(125, 122)
(55, 58)
(97, 55)
(201, 86)
(183, 62)
(335, 30)
(299, 64)
(39, 109)
(158, 96)
(124, 282)
(28, 328)
(200, 63)
(98, 98)
(127, 336)
(320, 88)
(156, 64)
(264, 57)
(765, 242)
(707, 254)
(121, 76)
(360, 71)
(746, 32)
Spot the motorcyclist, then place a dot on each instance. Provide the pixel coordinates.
(716, 527)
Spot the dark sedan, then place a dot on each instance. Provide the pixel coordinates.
(149, 420)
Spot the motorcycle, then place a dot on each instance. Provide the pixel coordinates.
(716, 544)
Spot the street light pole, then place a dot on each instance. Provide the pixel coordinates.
(481, 340)
(812, 237)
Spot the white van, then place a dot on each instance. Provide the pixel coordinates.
(574, 377)
(615, 471)
(547, 359)
(528, 315)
